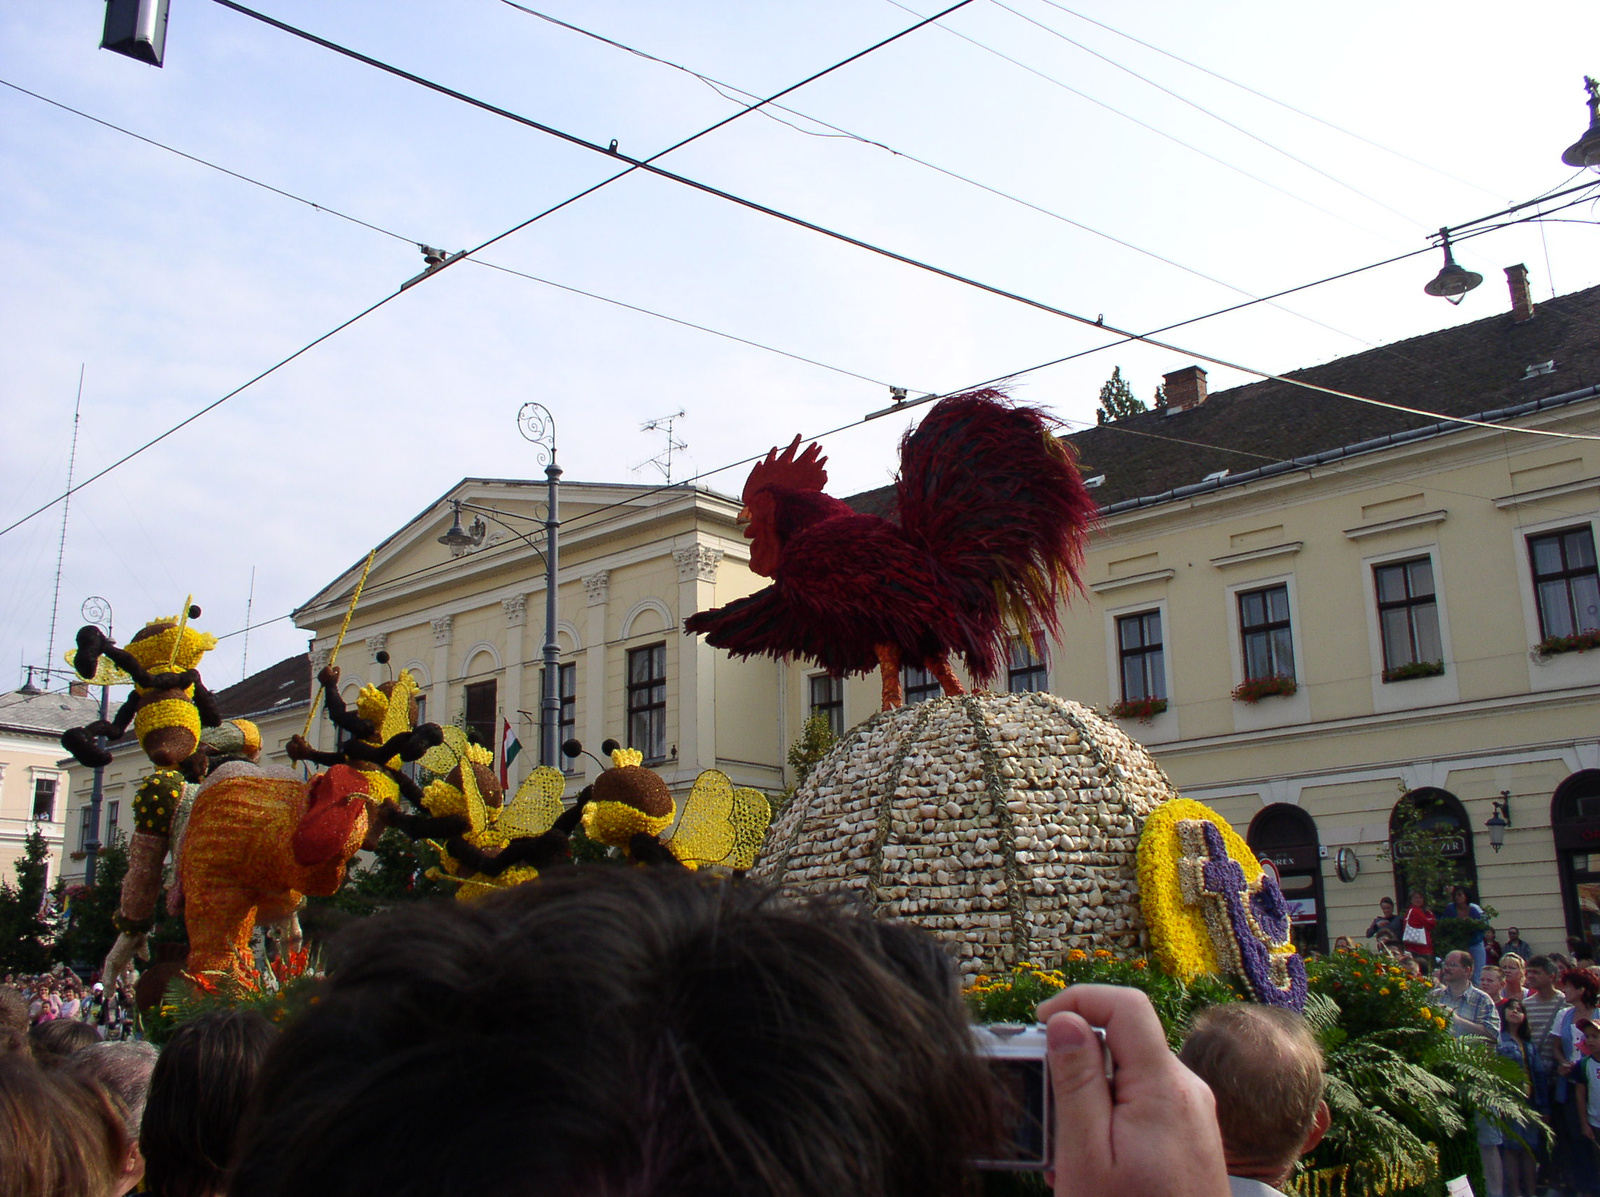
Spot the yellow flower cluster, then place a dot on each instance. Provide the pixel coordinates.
(1050, 977)
(154, 652)
(616, 823)
(1179, 936)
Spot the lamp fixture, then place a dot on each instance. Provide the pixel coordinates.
(1452, 282)
(1499, 820)
(457, 538)
(1586, 150)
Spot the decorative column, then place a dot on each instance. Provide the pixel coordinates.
(697, 687)
(516, 609)
(320, 725)
(596, 591)
(439, 692)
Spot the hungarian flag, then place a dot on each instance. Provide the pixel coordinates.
(509, 747)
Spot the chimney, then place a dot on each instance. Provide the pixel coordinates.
(78, 689)
(1186, 388)
(1521, 298)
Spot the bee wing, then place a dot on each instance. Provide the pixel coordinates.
(705, 833)
(442, 758)
(397, 719)
(477, 809)
(537, 804)
(106, 673)
(751, 814)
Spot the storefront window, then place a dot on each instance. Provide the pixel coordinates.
(1575, 822)
(1287, 836)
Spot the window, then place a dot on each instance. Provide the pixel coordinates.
(1566, 582)
(480, 712)
(422, 709)
(647, 701)
(1140, 654)
(567, 692)
(112, 810)
(919, 686)
(1408, 613)
(1264, 633)
(85, 827)
(44, 799)
(1025, 669)
(827, 698)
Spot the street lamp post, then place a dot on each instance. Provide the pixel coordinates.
(538, 426)
(97, 611)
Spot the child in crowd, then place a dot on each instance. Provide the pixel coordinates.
(1517, 1153)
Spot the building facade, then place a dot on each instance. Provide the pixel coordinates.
(33, 780)
(1412, 590)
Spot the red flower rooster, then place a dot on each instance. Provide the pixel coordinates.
(993, 519)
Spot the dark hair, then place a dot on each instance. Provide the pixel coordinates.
(1521, 1029)
(1386, 898)
(1542, 963)
(63, 1134)
(60, 1037)
(624, 1031)
(1585, 980)
(1465, 893)
(198, 1092)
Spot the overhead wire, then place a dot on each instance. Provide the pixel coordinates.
(634, 164)
(1159, 132)
(723, 88)
(1271, 99)
(1183, 99)
(847, 239)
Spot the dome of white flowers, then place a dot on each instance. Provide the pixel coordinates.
(1005, 824)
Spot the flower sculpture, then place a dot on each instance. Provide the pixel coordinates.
(1211, 907)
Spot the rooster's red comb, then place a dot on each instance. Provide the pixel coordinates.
(796, 473)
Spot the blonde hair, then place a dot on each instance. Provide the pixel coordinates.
(1264, 1067)
(1511, 958)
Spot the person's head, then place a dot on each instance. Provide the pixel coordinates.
(123, 1069)
(1456, 968)
(60, 1038)
(1409, 963)
(1514, 1019)
(1541, 973)
(63, 1134)
(1264, 1067)
(1579, 986)
(1488, 936)
(1386, 907)
(1492, 981)
(1513, 935)
(1344, 944)
(196, 1100)
(1416, 898)
(624, 1031)
(1514, 967)
(1591, 1034)
(1460, 896)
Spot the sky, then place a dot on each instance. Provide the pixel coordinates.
(166, 283)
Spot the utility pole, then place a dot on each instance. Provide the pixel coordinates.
(97, 610)
(538, 426)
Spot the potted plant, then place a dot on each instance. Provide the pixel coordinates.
(1142, 709)
(1404, 673)
(1253, 690)
(1580, 642)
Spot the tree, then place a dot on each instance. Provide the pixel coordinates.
(1117, 400)
(1160, 401)
(25, 931)
(815, 741)
(89, 932)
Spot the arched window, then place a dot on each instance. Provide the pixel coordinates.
(1575, 822)
(1287, 836)
(1431, 847)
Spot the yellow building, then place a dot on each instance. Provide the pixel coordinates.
(33, 781)
(467, 621)
(1399, 575)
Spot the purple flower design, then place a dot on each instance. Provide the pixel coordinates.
(1224, 877)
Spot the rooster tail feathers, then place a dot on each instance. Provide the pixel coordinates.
(998, 501)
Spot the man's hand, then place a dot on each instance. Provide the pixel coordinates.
(1156, 1135)
(328, 675)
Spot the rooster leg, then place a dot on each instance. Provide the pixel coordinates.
(889, 667)
(941, 670)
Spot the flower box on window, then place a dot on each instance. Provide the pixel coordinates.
(1142, 709)
(1551, 646)
(1255, 689)
(1404, 673)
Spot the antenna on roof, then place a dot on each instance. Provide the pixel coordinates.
(249, 606)
(663, 460)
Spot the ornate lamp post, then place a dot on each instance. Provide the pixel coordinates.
(96, 610)
(537, 425)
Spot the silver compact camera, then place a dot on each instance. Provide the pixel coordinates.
(1016, 1052)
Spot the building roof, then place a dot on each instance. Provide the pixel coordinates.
(1473, 368)
(46, 714)
(276, 688)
